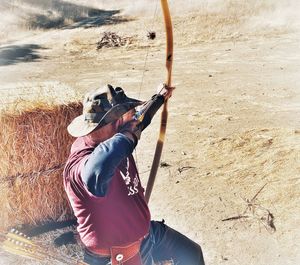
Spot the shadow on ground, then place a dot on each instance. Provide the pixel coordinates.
(19, 53)
(103, 18)
(61, 14)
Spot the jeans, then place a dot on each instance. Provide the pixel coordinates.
(162, 244)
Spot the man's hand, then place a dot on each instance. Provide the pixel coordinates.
(165, 91)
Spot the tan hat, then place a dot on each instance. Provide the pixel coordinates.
(100, 107)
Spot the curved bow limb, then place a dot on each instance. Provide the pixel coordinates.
(164, 114)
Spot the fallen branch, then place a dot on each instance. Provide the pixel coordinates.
(181, 169)
(235, 218)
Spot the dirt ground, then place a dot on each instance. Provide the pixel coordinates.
(231, 176)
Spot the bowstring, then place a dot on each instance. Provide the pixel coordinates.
(143, 75)
(148, 49)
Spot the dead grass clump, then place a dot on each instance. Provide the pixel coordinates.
(34, 147)
(111, 39)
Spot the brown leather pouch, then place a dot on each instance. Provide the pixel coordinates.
(128, 255)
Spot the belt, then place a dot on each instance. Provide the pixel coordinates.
(121, 254)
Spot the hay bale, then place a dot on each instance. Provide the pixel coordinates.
(34, 147)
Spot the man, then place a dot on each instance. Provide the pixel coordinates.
(104, 188)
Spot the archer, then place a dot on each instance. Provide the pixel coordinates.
(104, 188)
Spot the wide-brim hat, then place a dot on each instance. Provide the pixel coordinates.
(101, 107)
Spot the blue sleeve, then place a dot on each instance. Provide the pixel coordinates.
(103, 161)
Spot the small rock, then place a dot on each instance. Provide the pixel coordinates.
(224, 258)
(164, 164)
(297, 131)
(151, 35)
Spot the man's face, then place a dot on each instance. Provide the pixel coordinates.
(103, 133)
(109, 130)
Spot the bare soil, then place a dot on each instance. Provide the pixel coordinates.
(231, 177)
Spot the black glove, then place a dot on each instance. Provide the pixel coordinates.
(142, 118)
(148, 110)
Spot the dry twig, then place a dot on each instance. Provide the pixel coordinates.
(263, 215)
(235, 218)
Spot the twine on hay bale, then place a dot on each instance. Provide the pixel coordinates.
(34, 147)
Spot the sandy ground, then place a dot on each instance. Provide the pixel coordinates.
(230, 180)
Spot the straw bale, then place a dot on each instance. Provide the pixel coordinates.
(34, 147)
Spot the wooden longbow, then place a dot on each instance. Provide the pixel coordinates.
(164, 114)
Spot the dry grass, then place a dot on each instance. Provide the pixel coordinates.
(34, 147)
